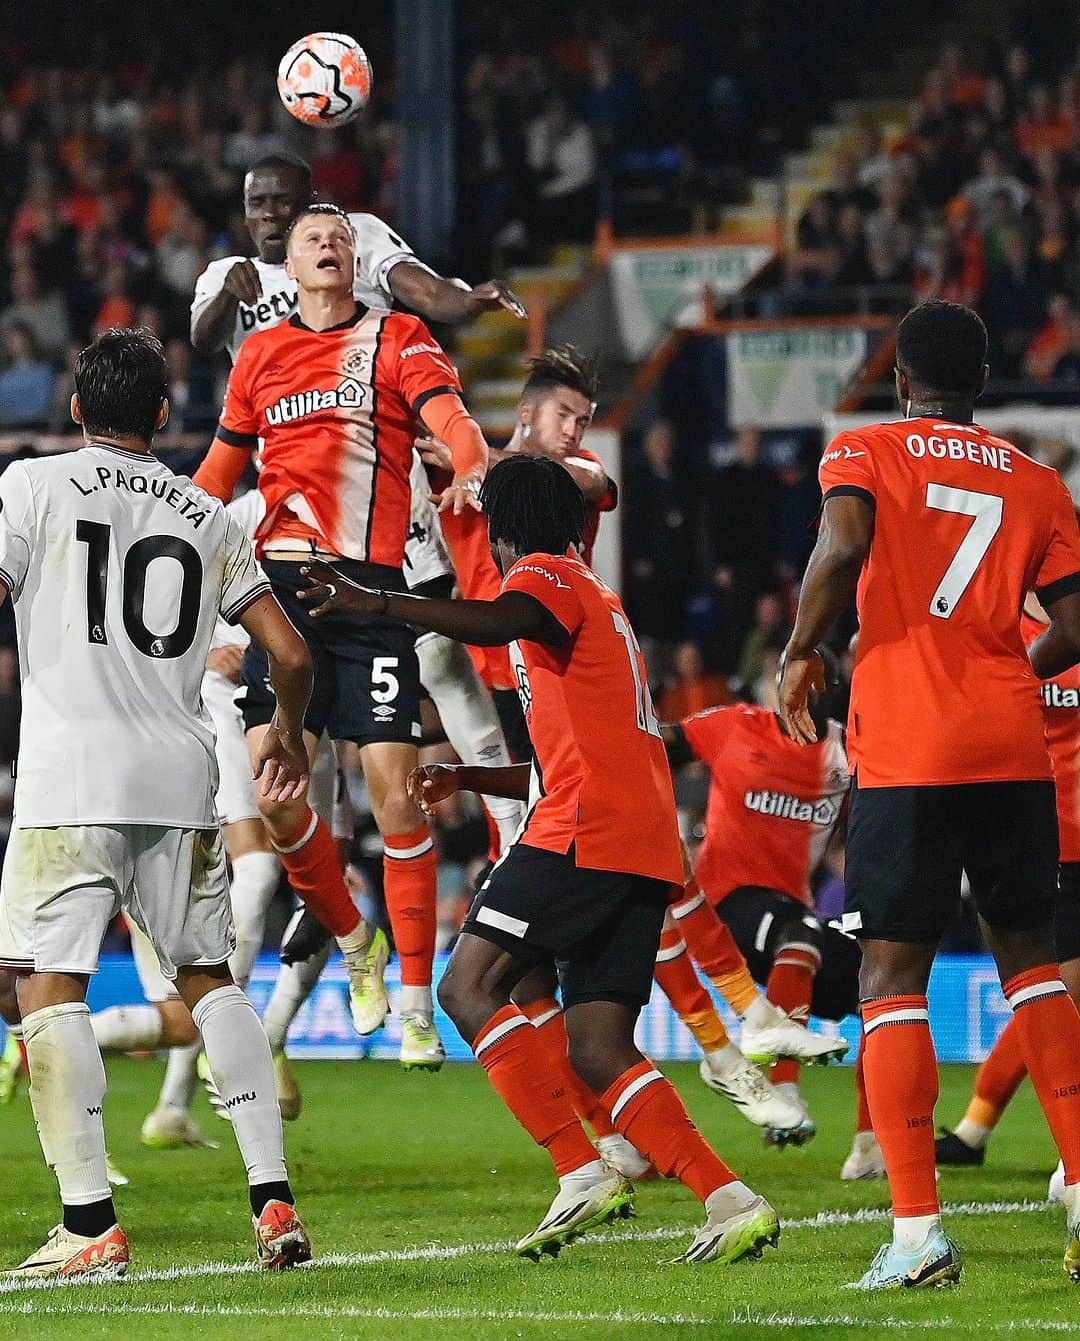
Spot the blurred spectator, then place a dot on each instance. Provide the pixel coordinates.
(562, 158)
(1067, 368)
(26, 379)
(1016, 302)
(690, 688)
(993, 176)
(769, 632)
(744, 499)
(44, 316)
(658, 550)
(1050, 340)
(1042, 126)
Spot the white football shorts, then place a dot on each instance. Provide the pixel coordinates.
(235, 799)
(61, 887)
(155, 986)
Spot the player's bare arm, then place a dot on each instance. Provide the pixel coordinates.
(448, 300)
(210, 329)
(282, 763)
(511, 616)
(678, 748)
(428, 784)
(1059, 647)
(832, 575)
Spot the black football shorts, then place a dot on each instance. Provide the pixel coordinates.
(757, 917)
(366, 677)
(601, 927)
(908, 846)
(1067, 912)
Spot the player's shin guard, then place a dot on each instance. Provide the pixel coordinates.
(127, 1028)
(713, 947)
(1048, 1029)
(508, 1049)
(243, 1070)
(791, 986)
(67, 1090)
(469, 719)
(254, 881)
(997, 1081)
(295, 983)
(310, 858)
(547, 1019)
(409, 871)
(649, 1113)
(902, 1088)
(681, 985)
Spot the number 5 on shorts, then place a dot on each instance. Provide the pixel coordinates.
(986, 509)
(384, 683)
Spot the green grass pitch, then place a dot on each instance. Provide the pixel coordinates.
(412, 1186)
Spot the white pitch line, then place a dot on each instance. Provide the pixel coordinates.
(739, 1317)
(446, 1252)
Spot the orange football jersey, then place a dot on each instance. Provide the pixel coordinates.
(1061, 717)
(601, 781)
(773, 805)
(336, 412)
(964, 525)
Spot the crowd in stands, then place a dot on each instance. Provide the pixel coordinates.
(977, 200)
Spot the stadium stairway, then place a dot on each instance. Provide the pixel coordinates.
(490, 352)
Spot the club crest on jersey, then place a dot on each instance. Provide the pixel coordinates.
(823, 813)
(349, 394)
(356, 362)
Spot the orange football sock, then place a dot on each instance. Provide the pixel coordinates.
(998, 1078)
(310, 859)
(862, 1108)
(791, 986)
(1048, 1029)
(649, 1113)
(547, 1019)
(902, 1087)
(517, 1064)
(681, 985)
(409, 872)
(713, 948)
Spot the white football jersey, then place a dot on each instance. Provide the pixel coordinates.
(118, 570)
(378, 250)
(426, 555)
(248, 509)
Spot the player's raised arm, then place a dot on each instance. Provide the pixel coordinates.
(235, 438)
(450, 300)
(213, 313)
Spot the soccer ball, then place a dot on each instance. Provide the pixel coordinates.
(324, 79)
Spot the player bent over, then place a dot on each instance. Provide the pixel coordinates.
(118, 570)
(943, 528)
(587, 881)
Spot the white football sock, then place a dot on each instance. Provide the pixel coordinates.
(416, 1001)
(240, 1060)
(127, 1028)
(67, 1090)
(469, 719)
(295, 983)
(910, 1231)
(586, 1176)
(762, 1014)
(730, 1199)
(726, 1060)
(178, 1087)
(254, 880)
(15, 1030)
(973, 1133)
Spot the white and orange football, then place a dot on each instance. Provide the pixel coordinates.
(324, 79)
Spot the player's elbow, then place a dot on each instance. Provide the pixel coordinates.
(294, 659)
(202, 339)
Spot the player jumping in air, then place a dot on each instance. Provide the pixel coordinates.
(943, 529)
(118, 570)
(332, 393)
(1001, 1073)
(588, 879)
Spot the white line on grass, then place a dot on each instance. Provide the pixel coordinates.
(445, 1252)
(739, 1317)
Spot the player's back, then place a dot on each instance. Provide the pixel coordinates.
(964, 525)
(604, 781)
(119, 570)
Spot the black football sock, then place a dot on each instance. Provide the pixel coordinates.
(261, 1193)
(92, 1220)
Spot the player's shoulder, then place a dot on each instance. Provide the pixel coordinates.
(408, 333)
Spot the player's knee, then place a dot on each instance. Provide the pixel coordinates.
(282, 818)
(592, 1058)
(453, 996)
(894, 968)
(9, 1000)
(177, 1027)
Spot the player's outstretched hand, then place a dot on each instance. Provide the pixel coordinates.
(493, 293)
(435, 453)
(243, 282)
(428, 784)
(800, 676)
(462, 493)
(281, 766)
(329, 590)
